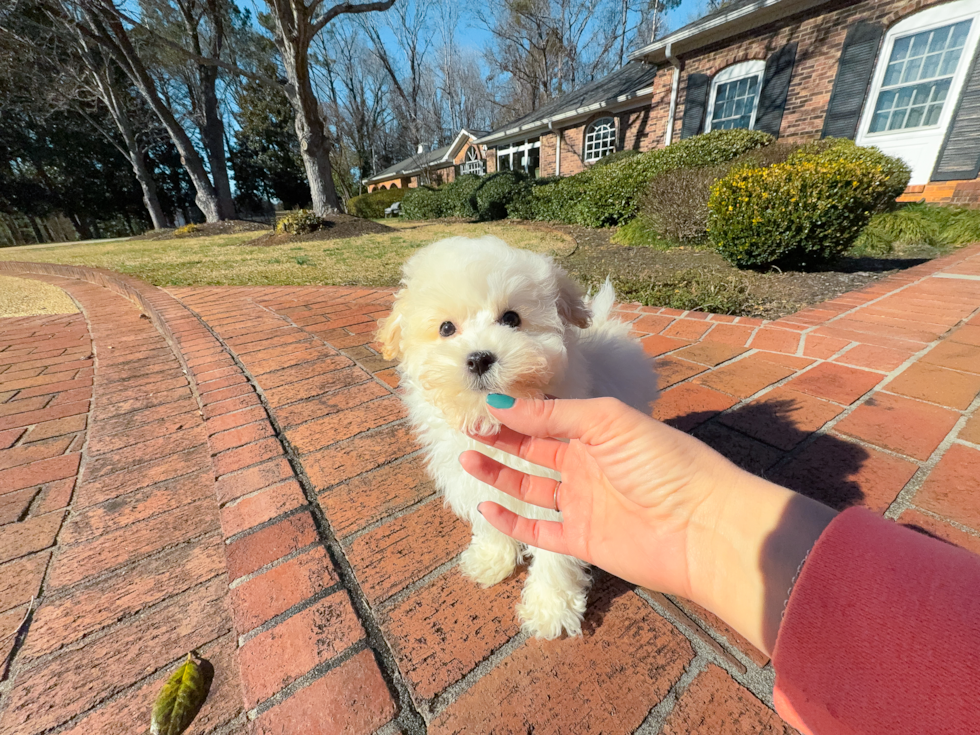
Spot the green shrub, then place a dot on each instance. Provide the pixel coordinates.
(690, 289)
(497, 192)
(423, 203)
(616, 157)
(919, 225)
(806, 211)
(833, 150)
(675, 204)
(457, 197)
(609, 195)
(299, 222)
(640, 232)
(373, 205)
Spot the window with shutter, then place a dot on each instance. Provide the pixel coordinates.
(735, 96)
(917, 84)
(695, 102)
(854, 70)
(775, 88)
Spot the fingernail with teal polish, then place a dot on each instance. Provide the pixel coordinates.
(499, 400)
(478, 510)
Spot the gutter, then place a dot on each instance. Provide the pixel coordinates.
(675, 85)
(720, 27)
(547, 122)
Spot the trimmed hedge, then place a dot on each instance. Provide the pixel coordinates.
(676, 203)
(806, 211)
(609, 195)
(457, 197)
(422, 203)
(373, 205)
(499, 192)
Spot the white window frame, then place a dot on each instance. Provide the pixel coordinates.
(589, 156)
(735, 73)
(919, 147)
(472, 163)
(521, 148)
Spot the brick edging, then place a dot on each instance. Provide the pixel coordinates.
(268, 521)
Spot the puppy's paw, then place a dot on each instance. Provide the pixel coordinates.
(488, 562)
(545, 612)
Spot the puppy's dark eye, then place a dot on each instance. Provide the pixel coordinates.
(447, 329)
(511, 319)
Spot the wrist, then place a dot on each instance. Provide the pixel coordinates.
(751, 540)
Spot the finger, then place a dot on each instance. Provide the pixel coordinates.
(561, 419)
(547, 535)
(531, 489)
(544, 452)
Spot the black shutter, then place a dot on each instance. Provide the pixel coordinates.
(857, 62)
(775, 86)
(960, 155)
(695, 103)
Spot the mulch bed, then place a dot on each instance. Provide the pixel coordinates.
(207, 229)
(337, 226)
(774, 294)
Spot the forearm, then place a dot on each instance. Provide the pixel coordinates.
(750, 540)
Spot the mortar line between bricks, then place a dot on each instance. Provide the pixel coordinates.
(438, 704)
(288, 613)
(317, 337)
(395, 514)
(11, 667)
(755, 678)
(655, 719)
(955, 524)
(408, 716)
(848, 410)
(906, 497)
(277, 562)
(407, 591)
(317, 672)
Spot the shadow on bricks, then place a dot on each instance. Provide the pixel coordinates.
(825, 469)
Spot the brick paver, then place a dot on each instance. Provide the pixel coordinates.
(230, 470)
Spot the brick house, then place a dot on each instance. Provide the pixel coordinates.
(433, 167)
(902, 75)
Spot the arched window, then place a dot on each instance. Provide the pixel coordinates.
(921, 69)
(735, 96)
(600, 139)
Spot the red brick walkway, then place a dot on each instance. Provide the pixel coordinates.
(249, 489)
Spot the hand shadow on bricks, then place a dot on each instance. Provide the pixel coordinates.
(823, 469)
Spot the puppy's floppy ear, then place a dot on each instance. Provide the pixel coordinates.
(571, 302)
(390, 332)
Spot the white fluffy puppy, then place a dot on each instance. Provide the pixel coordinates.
(473, 317)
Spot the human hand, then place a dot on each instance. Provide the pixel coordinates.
(649, 504)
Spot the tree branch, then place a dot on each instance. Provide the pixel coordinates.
(349, 8)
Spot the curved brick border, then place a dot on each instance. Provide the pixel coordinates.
(298, 631)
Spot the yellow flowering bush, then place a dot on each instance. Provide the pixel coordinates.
(804, 212)
(299, 222)
(186, 230)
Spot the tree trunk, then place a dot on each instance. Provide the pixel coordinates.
(314, 145)
(213, 137)
(128, 58)
(149, 187)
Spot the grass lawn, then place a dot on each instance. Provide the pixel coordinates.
(229, 260)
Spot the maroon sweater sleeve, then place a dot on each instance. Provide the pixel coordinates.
(881, 634)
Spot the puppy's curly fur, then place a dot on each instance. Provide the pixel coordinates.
(454, 331)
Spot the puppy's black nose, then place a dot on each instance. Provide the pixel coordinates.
(479, 362)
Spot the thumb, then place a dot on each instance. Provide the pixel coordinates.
(586, 420)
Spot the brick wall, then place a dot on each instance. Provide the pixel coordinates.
(820, 34)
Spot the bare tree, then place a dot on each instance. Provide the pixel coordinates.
(102, 23)
(549, 47)
(295, 24)
(197, 32)
(81, 78)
